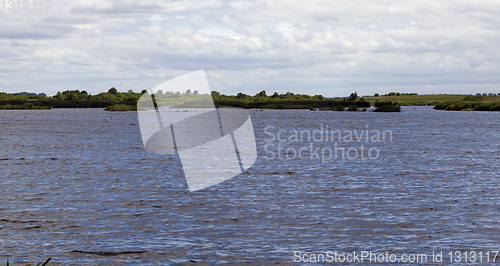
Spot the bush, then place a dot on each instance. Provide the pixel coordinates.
(459, 106)
(363, 103)
(353, 108)
(387, 107)
(378, 103)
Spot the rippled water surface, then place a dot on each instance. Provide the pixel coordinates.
(78, 186)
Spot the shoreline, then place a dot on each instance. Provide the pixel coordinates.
(448, 102)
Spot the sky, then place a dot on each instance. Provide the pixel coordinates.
(313, 47)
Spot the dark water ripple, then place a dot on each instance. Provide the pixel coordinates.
(78, 186)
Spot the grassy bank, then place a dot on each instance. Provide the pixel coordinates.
(26, 106)
(418, 100)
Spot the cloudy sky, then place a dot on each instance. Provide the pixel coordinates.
(313, 47)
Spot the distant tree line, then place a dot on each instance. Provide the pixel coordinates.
(287, 100)
(396, 94)
(114, 100)
(69, 99)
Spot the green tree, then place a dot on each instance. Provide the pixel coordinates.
(71, 96)
(113, 91)
(59, 96)
(261, 94)
(353, 96)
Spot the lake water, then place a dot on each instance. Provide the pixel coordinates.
(78, 186)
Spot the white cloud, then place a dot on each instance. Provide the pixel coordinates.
(326, 47)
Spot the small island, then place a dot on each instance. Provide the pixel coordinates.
(471, 103)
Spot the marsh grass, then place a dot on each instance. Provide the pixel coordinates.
(468, 106)
(471, 103)
(121, 107)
